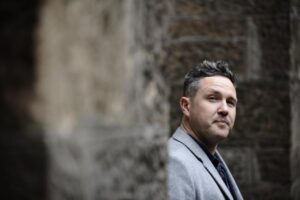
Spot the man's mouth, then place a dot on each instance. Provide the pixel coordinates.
(222, 121)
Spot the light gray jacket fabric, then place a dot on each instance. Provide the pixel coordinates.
(191, 175)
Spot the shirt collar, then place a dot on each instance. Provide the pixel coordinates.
(212, 157)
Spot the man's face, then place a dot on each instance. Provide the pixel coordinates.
(212, 110)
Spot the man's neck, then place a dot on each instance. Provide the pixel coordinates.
(187, 128)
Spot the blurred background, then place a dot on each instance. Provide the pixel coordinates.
(89, 94)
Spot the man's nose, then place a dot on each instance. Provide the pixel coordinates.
(223, 108)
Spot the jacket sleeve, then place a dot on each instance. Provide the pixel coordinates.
(180, 182)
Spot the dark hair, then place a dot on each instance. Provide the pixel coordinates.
(205, 69)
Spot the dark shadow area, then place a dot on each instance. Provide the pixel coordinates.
(23, 153)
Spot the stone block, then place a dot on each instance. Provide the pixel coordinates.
(295, 111)
(213, 27)
(258, 172)
(185, 55)
(263, 191)
(295, 7)
(295, 161)
(295, 138)
(272, 165)
(294, 49)
(274, 44)
(269, 7)
(263, 113)
(130, 172)
(109, 163)
(295, 192)
(210, 8)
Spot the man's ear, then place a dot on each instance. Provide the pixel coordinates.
(185, 104)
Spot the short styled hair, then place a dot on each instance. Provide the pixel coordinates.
(205, 69)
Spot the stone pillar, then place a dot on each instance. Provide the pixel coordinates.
(295, 99)
(102, 101)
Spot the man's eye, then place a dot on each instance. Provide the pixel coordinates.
(231, 103)
(212, 98)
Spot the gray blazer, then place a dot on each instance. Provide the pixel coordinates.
(191, 175)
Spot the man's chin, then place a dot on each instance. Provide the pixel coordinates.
(221, 134)
(221, 131)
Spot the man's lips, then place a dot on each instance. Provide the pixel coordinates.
(224, 121)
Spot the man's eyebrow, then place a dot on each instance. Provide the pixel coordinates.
(214, 91)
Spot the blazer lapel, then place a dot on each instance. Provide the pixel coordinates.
(234, 185)
(186, 140)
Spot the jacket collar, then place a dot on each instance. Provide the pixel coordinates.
(181, 136)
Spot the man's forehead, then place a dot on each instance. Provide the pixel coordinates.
(217, 84)
(216, 80)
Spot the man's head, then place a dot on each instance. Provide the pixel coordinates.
(205, 69)
(209, 102)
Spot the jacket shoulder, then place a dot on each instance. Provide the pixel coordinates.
(180, 177)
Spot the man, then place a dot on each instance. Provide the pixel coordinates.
(196, 169)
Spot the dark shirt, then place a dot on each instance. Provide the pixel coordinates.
(216, 161)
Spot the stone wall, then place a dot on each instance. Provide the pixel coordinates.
(254, 37)
(102, 99)
(295, 99)
(90, 93)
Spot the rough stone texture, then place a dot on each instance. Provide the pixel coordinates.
(23, 155)
(91, 77)
(102, 99)
(295, 99)
(254, 37)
